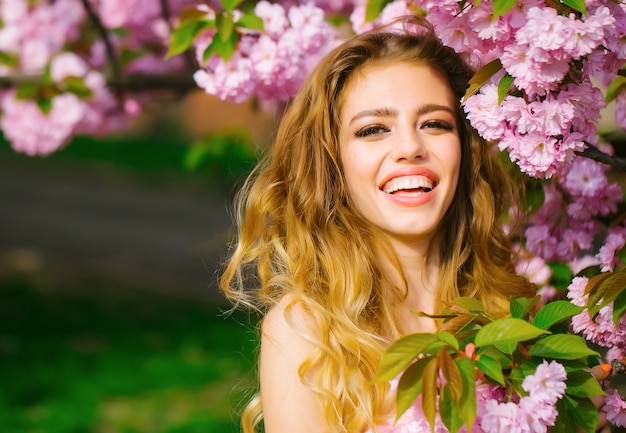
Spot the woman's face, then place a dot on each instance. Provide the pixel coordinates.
(400, 148)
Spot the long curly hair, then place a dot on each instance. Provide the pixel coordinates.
(298, 233)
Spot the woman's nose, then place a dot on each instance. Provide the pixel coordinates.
(407, 144)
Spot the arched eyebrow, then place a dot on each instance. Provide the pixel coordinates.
(388, 112)
(375, 112)
(429, 108)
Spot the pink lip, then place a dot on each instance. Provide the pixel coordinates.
(412, 199)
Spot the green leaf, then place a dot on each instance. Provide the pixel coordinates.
(8, 59)
(481, 77)
(230, 5)
(508, 330)
(374, 8)
(250, 21)
(582, 384)
(467, 405)
(190, 15)
(225, 25)
(448, 411)
(555, 312)
(564, 421)
(469, 304)
(45, 105)
(401, 353)
(503, 87)
(606, 291)
(500, 7)
(520, 372)
(490, 368)
(77, 86)
(27, 91)
(619, 307)
(451, 373)
(583, 413)
(224, 49)
(410, 385)
(561, 275)
(579, 5)
(520, 307)
(507, 347)
(617, 86)
(429, 393)
(183, 36)
(449, 338)
(561, 346)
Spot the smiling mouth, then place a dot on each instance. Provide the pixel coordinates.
(409, 184)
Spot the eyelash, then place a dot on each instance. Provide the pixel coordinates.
(377, 129)
(439, 124)
(370, 130)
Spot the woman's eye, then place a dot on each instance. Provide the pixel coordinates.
(371, 130)
(438, 124)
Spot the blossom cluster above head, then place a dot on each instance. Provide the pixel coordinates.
(542, 107)
(270, 64)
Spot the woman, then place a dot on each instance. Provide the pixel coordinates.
(377, 200)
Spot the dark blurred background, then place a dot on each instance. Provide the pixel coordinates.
(110, 250)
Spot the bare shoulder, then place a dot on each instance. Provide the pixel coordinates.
(288, 404)
(288, 320)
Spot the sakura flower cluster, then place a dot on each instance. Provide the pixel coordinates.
(601, 330)
(270, 64)
(551, 109)
(532, 413)
(572, 214)
(497, 410)
(57, 42)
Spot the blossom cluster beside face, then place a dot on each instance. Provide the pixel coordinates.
(563, 228)
(58, 38)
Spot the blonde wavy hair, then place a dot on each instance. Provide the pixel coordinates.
(299, 234)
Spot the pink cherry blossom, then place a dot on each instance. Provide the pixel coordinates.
(536, 414)
(500, 417)
(274, 18)
(485, 114)
(67, 65)
(615, 408)
(32, 132)
(585, 178)
(547, 384)
(607, 256)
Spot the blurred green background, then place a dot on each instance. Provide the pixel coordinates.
(110, 317)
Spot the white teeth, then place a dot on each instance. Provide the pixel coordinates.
(408, 182)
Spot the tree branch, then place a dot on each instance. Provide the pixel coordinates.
(592, 152)
(182, 82)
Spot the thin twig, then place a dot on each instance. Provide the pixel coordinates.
(134, 82)
(592, 152)
(95, 19)
(167, 16)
